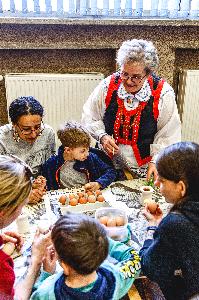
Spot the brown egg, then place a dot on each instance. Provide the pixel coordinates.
(80, 194)
(103, 220)
(151, 205)
(91, 199)
(87, 186)
(98, 192)
(119, 221)
(82, 200)
(111, 222)
(73, 201)
(100, 198)
(89, 193)
(71, 196)
(62, 199)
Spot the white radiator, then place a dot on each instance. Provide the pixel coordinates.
(62, 95)
(188, 104)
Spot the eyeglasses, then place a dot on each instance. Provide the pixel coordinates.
(125, 76)
(38, 129)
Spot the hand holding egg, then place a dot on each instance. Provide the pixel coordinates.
(152, 212)
(92, 186)
(151, 205)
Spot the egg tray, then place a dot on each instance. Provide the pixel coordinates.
(79, 208)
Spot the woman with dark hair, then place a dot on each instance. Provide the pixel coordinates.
(170, 253)
(28, 138)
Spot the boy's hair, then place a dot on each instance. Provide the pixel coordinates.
(180, 161)
(24, 106)
(80, 242)
(15, 183)
(73, 135)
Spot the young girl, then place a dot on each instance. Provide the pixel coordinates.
(15, 188)
(170, 253)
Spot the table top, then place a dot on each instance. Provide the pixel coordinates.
(124, 194)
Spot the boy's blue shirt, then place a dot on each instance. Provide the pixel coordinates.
(97, 169)
(122, 275)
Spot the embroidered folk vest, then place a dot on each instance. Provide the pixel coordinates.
(135, 127)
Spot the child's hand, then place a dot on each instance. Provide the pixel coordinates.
(36, 195)
(14, 238)
(155, 218)
(39, 246)
(8, 248)
(49, 260)
(92, 186)
(39, 183)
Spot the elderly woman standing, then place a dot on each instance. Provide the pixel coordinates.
(133, 113)
(28, 138)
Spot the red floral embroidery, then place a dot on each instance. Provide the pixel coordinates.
(112, 87)
(156, 94)
(123, 117)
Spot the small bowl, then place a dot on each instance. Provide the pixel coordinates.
(118, 233)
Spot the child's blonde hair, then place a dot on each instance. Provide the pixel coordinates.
(15, 183)
(73, 135)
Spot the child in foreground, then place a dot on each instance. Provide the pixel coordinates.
(82, 246)
(170, 253)
(74, 165)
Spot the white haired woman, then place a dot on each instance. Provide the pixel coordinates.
(133, 113)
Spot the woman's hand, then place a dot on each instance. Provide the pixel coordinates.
(39, 246)
(109, 145)
(38, 190)
(155, 218)
(152, 171)
(49, 260)
(13, 237)
(92, 186)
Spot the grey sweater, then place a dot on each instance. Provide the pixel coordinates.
(33, 154)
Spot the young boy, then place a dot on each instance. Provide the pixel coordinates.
(74, 166)
(82, 246)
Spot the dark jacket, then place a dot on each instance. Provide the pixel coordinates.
(96, 169)
(172, 258)
(103, 288)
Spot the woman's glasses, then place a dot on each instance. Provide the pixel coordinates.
(38, 129)
(125, 76)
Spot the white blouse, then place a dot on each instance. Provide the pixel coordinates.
(168, 123)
